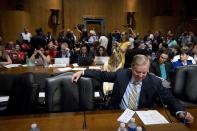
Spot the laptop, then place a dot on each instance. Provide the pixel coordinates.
(63, 61)
(100, 60)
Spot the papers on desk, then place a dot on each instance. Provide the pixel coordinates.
(148, 117)
(95, 67)
(151, 117)
(57, 65)
(12, 65)
(126, 116)
(78, 69)
(64, 69)
(25, 65)
(75, 65)
(4, 98)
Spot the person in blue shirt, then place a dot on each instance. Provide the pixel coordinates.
(183, 61)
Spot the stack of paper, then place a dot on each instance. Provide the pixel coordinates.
(58, 65)
(151, 117)
(78, 69)
(148, 117)
(95, 67)
(126, 116)
(4, 98)
(12, 65)
(64, 69)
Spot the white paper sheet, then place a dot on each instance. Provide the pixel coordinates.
(126, 116)
(12, 65)
(4, 98)
(75, 65)
(95, 67)
(151, 117)
(64, 69)
(96, 94)
(58, 65)
(41, 94)
(78, 69)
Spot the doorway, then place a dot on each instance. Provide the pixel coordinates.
(96, 24)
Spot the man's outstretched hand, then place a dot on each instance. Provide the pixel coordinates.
(76, 76)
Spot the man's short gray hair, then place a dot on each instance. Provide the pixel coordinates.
(140, 60)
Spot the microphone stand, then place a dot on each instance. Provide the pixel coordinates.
(84, 121)
(163, 105)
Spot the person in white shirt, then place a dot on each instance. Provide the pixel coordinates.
(103, 40)
(26, 35)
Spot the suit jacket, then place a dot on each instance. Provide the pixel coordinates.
(85, 61)
(151, 89)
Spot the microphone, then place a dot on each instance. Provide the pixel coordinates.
(163, 105)
(84, 121)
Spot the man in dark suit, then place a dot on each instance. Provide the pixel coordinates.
(84, 57)
(148, 87)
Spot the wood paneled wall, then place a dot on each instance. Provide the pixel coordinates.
(36, 13)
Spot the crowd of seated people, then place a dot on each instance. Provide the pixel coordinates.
(166, 53)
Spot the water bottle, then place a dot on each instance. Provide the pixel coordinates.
(132, 126)
(34, 127)
(122, 127)
(45, 64)
(27, 60)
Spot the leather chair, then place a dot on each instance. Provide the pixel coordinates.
(99, 100)
(6, 82)
(184, 85)
(24, 95)
(64, 96)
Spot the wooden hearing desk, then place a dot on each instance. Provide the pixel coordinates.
(36, 69)
(95, 121)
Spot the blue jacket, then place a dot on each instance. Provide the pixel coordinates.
(178, 63)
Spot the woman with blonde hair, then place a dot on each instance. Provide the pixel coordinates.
(114, 63)
(123, 46)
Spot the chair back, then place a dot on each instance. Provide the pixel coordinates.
(63, 95)
(24, 95)
(184, 85)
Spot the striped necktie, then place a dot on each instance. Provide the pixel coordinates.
(132, 103)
